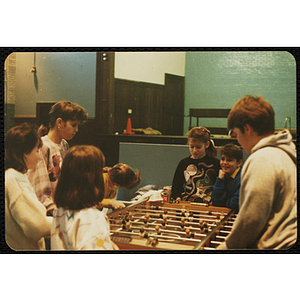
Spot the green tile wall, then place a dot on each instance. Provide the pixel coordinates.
(219, 79)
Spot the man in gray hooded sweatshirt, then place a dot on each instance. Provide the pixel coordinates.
(267, 218)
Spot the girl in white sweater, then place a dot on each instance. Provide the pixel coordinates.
(26, 223)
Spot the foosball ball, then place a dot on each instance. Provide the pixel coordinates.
(170, 226)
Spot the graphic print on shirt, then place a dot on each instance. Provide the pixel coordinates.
(81, 230)
(199, 181)
(54, 171)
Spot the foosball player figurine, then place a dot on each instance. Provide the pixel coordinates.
(201, 223)
(205, 227)
(164, 222)
(183, 209)
(142, 230)
(128, 226)
(157, 229)
(182, 222)
(187, 213)
(147, 217)
(124, 223)
(143, 234)
(191, 217)
(188, 232)
(165, 217)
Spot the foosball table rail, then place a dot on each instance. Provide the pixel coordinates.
(170, 226)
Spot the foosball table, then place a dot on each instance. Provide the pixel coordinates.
(170, 226)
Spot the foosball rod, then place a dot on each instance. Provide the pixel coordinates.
(183, 209)
(158, 213)
(158, 236)
(151, 228)
(154, 221)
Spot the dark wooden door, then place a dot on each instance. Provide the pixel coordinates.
(104, 110)
(173, 105)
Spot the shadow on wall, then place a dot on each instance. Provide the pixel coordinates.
(156, 162)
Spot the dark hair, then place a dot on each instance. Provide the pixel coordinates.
(67, 111)
(254, 111)
(20, 140)
(202, 134)
(124, 176)
(232, 151)
(80, 183)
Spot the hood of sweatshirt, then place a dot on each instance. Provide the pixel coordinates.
(282, 140)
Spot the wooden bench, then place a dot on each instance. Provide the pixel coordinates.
(207, 113)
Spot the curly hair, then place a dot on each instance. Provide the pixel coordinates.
(125, 176)
(202, 134)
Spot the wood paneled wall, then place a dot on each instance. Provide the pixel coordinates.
(160, 107)
(144, 99)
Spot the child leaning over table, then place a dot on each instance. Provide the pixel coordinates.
(78, 224)
(119, 176)
(226, 189)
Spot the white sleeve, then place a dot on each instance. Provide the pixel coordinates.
(30, 214)
(94, 231)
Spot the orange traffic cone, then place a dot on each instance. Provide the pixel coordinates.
(128, 127)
